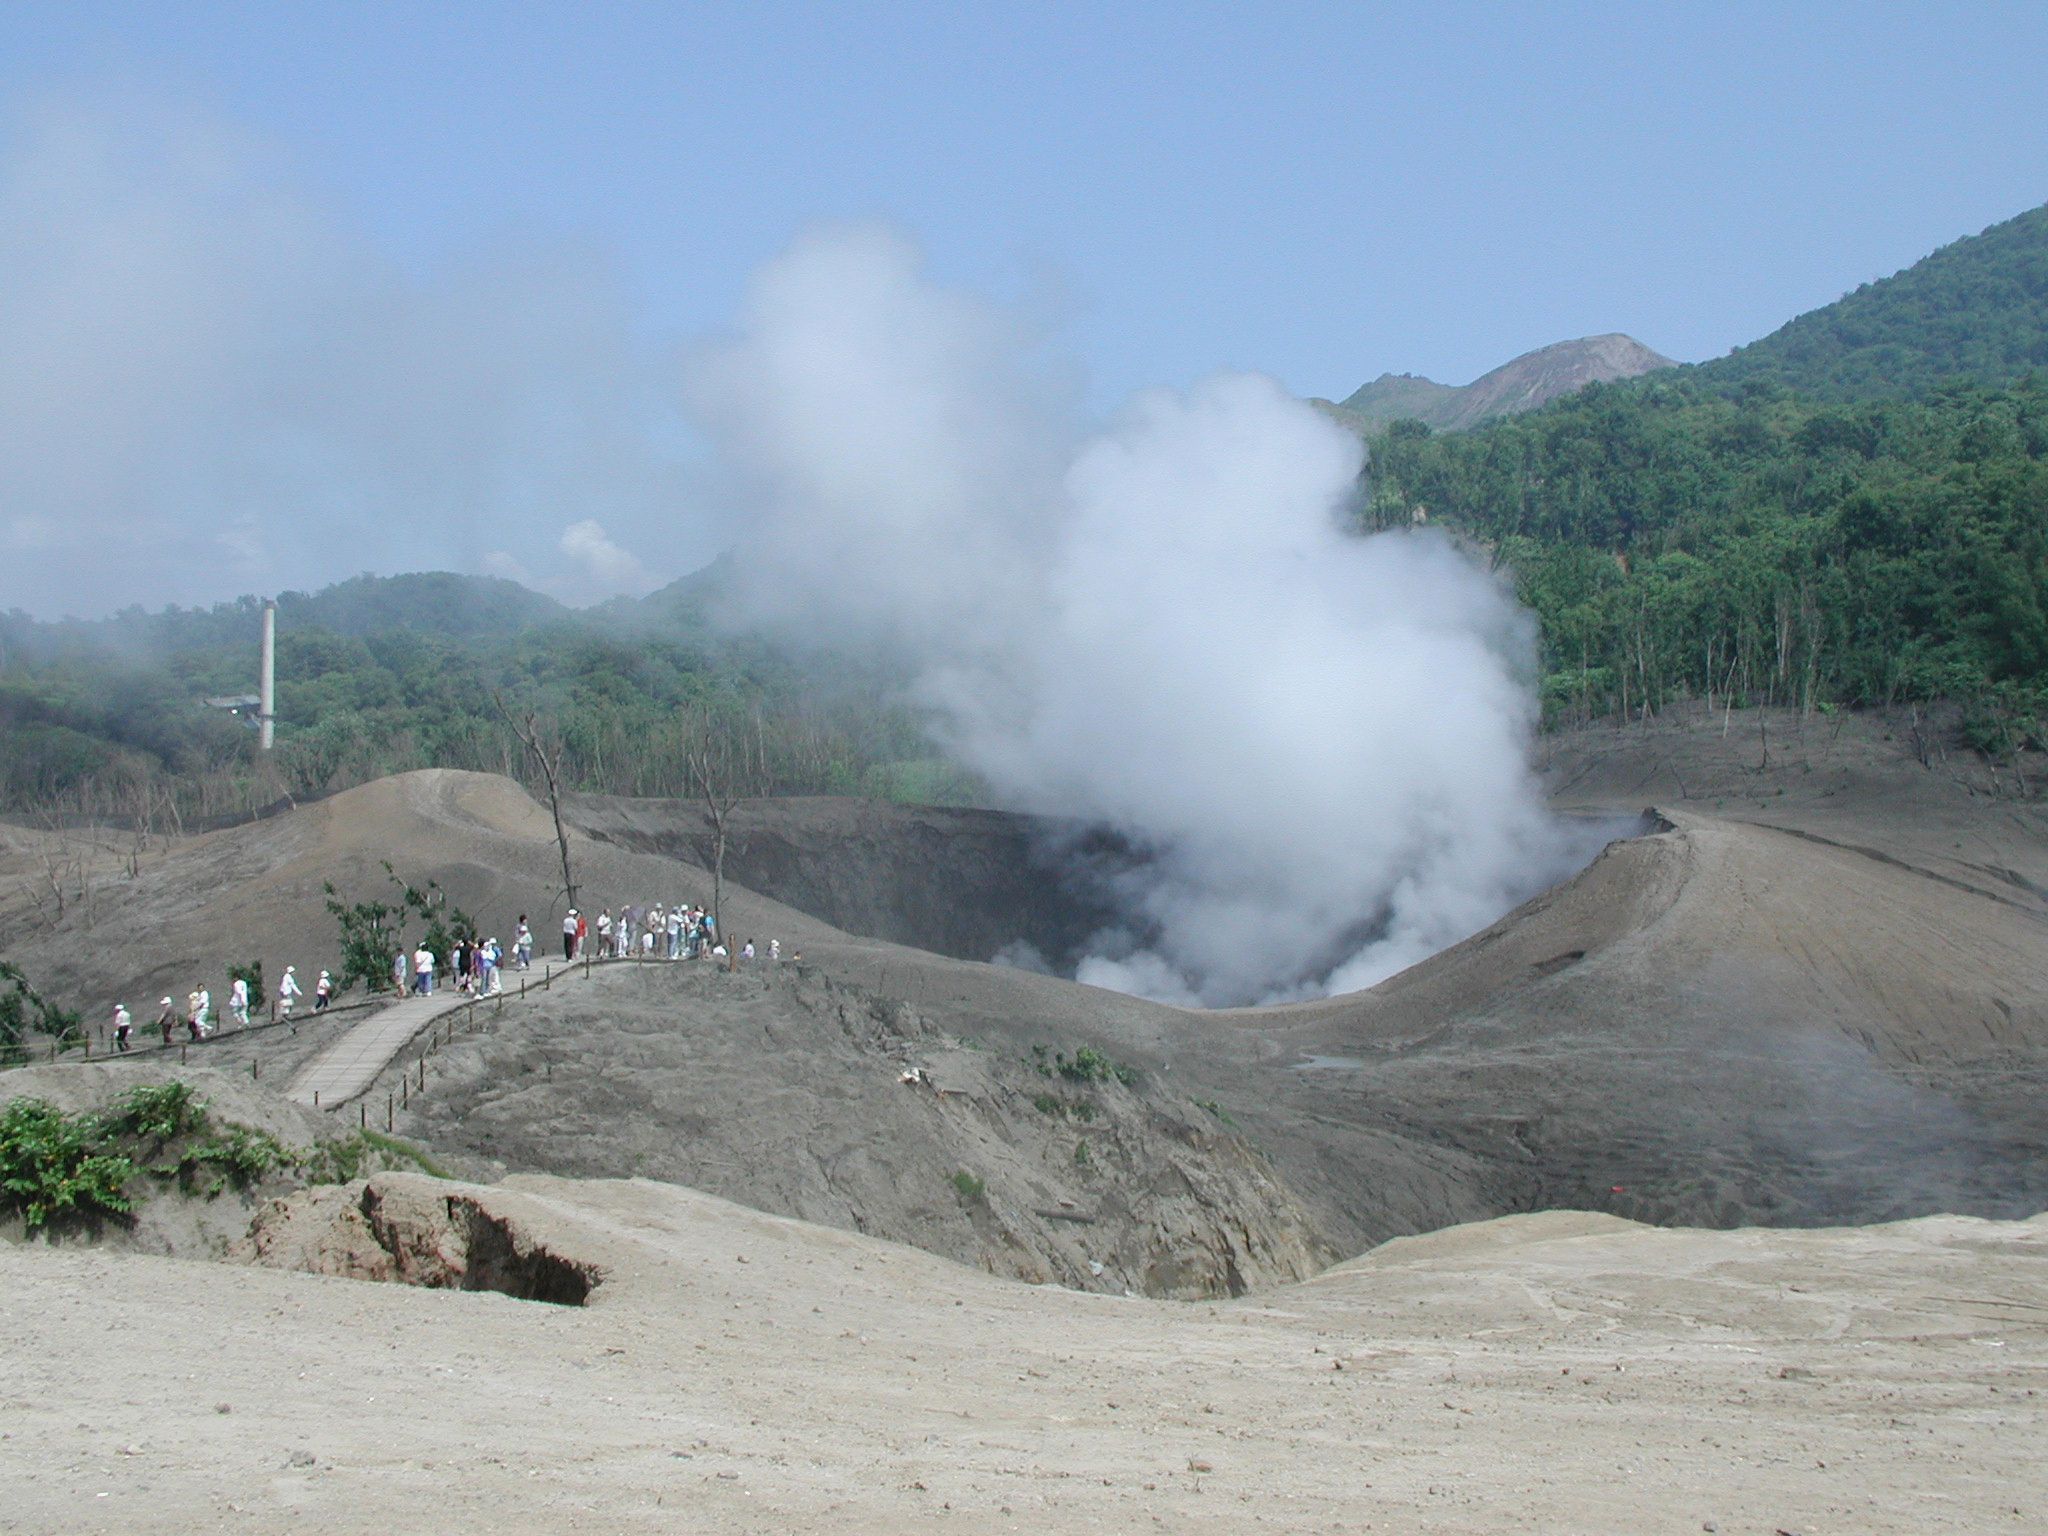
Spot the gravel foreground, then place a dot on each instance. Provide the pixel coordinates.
(737, 1372)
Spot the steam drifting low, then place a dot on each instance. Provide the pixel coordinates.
(1163, 625)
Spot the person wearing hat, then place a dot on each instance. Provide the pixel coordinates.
(123, 1026)
(570, 925)
(323, 989)
(167, 1020)
(289, 991)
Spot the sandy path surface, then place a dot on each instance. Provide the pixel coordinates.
(741, 1372)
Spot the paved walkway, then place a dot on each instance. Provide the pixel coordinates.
(352, 1063)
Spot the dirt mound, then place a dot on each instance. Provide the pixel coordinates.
(174, 1213)
(788, 1090)
(413, 1230)
(176, 914)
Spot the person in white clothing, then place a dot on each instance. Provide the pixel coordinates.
(423, 971)
(122, 1026)
(288, 991)
(238, 1001)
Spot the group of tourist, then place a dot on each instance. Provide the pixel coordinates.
(197, 1018)
(475, 965)
(654, 932)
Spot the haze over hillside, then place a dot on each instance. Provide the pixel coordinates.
(1522, 384)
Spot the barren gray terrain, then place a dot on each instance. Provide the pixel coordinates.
(1809, 992)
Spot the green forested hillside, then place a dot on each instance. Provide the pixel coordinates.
(1976, 309)
(377, 675)
(1675, 539)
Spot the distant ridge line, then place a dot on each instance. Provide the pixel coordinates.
(1521, 384)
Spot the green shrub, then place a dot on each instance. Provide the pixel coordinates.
(968, 1185)
(1091, 1066)
(1064, 1109)
(23, 1009)
(364, 1152)
(155, 1110)
(228, 1154)
(53, 1164)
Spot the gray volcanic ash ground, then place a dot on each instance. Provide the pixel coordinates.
(1810, 996)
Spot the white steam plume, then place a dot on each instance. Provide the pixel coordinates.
(1163, 626)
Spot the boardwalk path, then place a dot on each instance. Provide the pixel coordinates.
(352, 1063)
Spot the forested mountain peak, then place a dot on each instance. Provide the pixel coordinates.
(1976, 308)
(1522, 384)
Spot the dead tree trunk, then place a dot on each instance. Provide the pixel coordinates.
(530, 732)
(719, 788)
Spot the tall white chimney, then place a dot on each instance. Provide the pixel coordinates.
(266, 687)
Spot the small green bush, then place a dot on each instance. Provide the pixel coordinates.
(228, 1154)
(968, 1185)
(1064, 1109)
(1091, 1066)
(1081, 1153)
(155, 1110)
(53, 1164)
(364, 1152)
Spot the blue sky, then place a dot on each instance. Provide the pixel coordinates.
(1319, 191)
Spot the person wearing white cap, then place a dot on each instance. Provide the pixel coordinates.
(288, 991)
(123, 1025)
(569, 925)
(167, 1020)
(238, 1001)
(323, 990)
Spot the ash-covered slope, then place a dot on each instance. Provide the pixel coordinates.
(1718, 1022)
(1522, 384)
